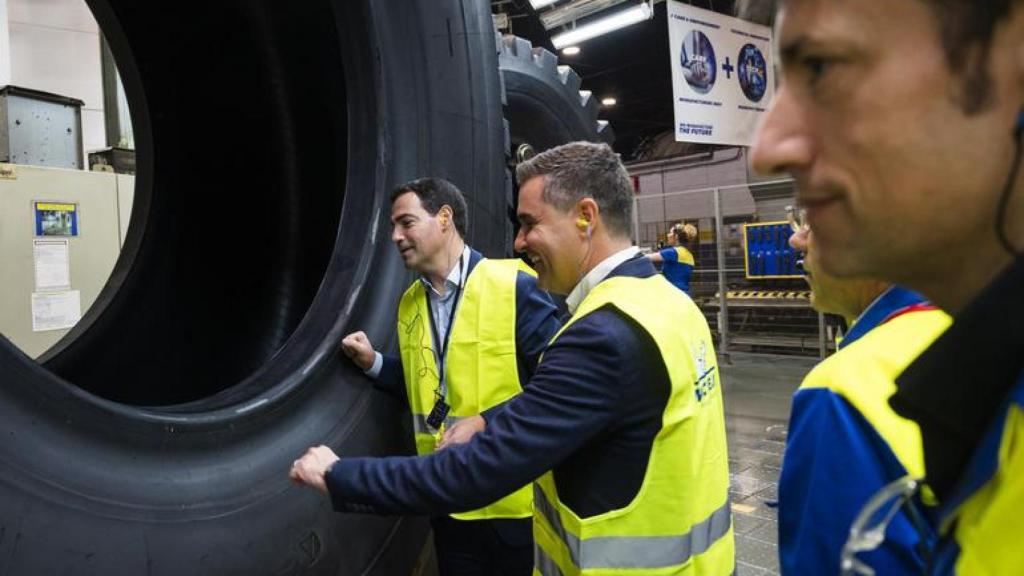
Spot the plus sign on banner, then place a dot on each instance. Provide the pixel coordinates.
(722, 77)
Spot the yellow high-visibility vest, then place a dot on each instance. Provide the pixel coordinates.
(680, 521)
(480, 365)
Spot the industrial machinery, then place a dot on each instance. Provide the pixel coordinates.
(53, 139)
(767, 253)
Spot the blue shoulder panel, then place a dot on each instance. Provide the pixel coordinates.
(834, 462)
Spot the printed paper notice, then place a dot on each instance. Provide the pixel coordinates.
(56, 310)
(53, 265)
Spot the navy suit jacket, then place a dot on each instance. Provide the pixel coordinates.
(590, 413)
(537, 323)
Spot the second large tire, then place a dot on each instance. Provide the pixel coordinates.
(545, 106)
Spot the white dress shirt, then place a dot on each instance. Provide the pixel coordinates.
(440, 306)
(596, 274)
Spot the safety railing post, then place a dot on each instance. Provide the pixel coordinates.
(636, 219)
(822, 351)
(723, 312)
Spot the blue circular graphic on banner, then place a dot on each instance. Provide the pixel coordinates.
(697, 58)
(753, 72)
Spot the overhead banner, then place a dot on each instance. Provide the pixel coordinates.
(722, 77)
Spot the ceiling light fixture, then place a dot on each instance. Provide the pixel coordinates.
(609, 102)
(538, 4)
(575, 11)
(638, 13)
(570, 50)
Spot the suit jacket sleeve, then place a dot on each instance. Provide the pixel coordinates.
(391, 379)
(573, 396)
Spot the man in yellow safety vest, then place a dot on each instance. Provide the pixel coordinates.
(470, 331)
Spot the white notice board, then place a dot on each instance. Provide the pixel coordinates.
(56, 310)
(52, 260)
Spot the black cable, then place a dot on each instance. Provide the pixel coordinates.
(1004, 199)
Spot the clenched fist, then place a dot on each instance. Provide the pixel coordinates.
(311, 468)
(357, 347)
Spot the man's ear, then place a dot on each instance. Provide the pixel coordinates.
(444, 216)
(588, 210)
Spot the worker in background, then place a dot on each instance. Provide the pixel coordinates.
(676, 260)
(915, 178)
(845, 442)
(621, 426)
(470, 330)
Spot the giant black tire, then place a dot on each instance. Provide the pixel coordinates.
(544, 104)
(156, 437)
(544, 107)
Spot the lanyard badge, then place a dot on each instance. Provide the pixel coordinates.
(437, 415)
(441, 408)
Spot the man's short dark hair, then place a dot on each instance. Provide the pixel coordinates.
(580, 170)
(435, 193)
(965, 26)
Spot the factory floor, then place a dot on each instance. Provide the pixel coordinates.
(757, 392)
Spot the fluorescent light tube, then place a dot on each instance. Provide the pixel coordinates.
(638, 13)
(538, 4)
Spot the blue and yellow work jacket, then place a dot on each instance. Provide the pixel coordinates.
(677, 266)
(967, 394)
(981, 522)
(845, 442)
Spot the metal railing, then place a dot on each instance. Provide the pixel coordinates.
(745, 314)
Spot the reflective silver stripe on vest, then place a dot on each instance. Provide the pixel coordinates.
(636, 551)
(543, 563)
(420, 426)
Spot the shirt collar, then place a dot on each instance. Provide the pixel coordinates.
(454, 276)
(888, 304)
(596, 275)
